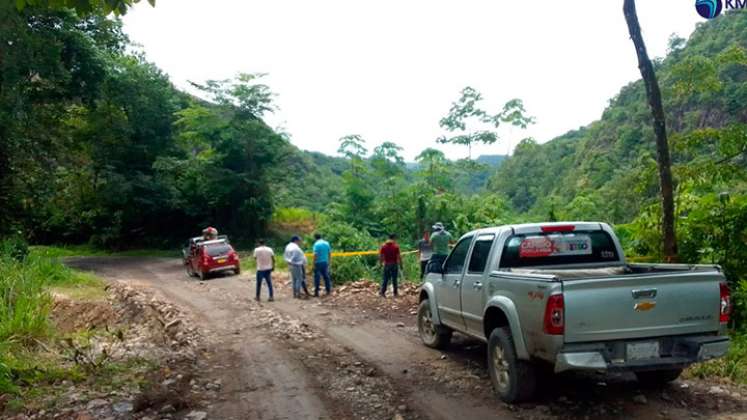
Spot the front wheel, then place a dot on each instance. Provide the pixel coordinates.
(432, 335)
(657, 377)
(513, 380)
(190, 272)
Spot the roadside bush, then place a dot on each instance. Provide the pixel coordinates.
(739, 305)
(347, 269)
(14, 247)
(24, 302)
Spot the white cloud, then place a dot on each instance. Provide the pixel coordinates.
(389, 70)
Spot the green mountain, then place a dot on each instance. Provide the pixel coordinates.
(606, 170)
(492, 160)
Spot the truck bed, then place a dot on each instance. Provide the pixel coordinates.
(566, 274)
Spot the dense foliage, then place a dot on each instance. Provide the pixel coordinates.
(101, 148)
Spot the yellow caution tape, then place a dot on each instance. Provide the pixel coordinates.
(356, 253)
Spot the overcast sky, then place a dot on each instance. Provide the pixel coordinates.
(389, 70)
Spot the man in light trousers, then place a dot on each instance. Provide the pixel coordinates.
(296, 260)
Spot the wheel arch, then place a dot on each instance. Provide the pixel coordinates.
(501, 312)
(427, 291)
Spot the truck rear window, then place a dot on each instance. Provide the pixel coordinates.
(540, 249)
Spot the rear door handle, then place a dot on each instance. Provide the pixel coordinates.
(477, 285)
(457, 283)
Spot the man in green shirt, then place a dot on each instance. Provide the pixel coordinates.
(440, 240)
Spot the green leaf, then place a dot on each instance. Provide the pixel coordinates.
(20, 5)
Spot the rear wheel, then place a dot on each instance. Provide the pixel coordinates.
(657, 377)
(237, 270)
(432, 335)
(203, 275)
(513, 380)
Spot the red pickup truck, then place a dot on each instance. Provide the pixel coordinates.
(203, 258)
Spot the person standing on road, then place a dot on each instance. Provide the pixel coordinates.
(424, 252)
(391, 260)
(322, 259)
(265, 258)
(440, 240)
(296, 260)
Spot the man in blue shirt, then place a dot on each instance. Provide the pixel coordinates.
(322, 258)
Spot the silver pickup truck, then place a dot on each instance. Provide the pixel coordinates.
(562, 296)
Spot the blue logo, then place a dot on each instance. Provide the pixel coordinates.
(709, 9)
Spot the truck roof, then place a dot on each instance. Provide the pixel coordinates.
(525, 228)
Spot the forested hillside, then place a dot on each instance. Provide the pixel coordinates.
(606, 170)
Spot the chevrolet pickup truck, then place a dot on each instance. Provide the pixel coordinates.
(561, 297)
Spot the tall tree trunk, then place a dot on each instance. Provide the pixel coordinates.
(660, 129)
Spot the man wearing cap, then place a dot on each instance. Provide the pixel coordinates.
(296, 260)
(440, 240)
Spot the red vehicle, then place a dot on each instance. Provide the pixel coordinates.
(202, 258)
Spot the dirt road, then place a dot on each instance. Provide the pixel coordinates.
(320, 359)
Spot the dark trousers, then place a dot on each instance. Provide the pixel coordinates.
(391, 271)
(435, 263)
(267, 276)
(321, 269)
(423, 267)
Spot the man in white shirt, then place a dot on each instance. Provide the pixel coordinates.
(296, 260)
(265, 264)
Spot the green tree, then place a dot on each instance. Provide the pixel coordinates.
(434, 169)
(82, 7)
(359, 196)
(467, 109)
(660, 129)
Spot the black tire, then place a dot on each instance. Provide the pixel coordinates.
(432, 335)
(657, 378)
(513, 380)
(237, 270)
(203, 275)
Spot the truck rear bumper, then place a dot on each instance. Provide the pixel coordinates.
(673, 352)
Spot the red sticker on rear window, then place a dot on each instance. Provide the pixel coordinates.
(536, 246)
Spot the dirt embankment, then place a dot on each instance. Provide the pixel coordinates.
(129, 356)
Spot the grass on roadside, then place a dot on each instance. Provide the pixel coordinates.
(26, 288)
(733, 366)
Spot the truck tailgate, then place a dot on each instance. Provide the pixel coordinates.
(640, 306)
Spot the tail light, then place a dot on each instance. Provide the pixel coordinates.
(555, 315)
(725, 304)
(205, 259)
(232, 256)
